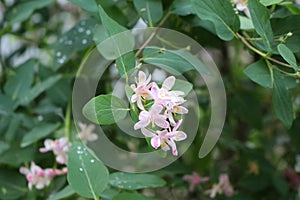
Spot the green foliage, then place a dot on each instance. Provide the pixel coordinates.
(150, 10)
(288, 56)
(86, 169)
(132, 196)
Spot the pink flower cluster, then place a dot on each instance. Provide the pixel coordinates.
(39, 177)
(224, 186)
(158, 121)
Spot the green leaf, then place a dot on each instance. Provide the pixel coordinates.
(126, 63)
(86, 174)
(261, 20)
(270, 2)
(119, 42)
(150, 10)
(23, 10)
(37, 133)
(132, 196)
(288, 56)
(17, 86)
(64, 193)
(174, 61)
(3, 147)
(246, 23)
(105, 109)
(38, 89)
(135, 181)
(282, 101)
(259, 73)
(76, 39)
(13, 185)
(6, 105)
(221, 14)
(182, 7)
(88, 5)
(109, 194)
(183, 86)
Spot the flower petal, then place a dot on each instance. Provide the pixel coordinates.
(147, 133)
(169, 82)
(155, 142)
(142, 77)
(141, 124)
(161, 122)
(180, 135)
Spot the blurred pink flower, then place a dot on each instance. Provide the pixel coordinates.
(142, 89)
(223, 186)
(242, 5)
(60, 148)
(86, 133)
(194, 180)
(154, 116)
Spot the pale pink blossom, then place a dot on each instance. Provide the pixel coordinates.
(152, 116)
(141, 90)
(194, 180)
(242, 5)
(174, 108)
(223, 186)
(86, 133)
(60, 148)
(166, 138)
(37, 176)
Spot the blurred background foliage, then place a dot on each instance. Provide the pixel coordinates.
(43, 43)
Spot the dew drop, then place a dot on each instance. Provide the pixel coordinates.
(80, 30)
(84, 41)
(58, 53)
(80, 169)
(88, 32)
(92, 161)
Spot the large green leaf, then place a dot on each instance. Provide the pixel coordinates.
(282, 100)
(13, 185)
(88, 5)
(6, 104)
(23, 10)
(64, 193)
(135, 181)
(37, 133)
(77, 38)
(3, 147)
(150, 10)
(221, 14)
(17, 86)
(182, 7)
(105, 109)
(261, 20)
(132, 196)
(259, 73)
(288, 56)
(119, 41)
(38, 89)
(86, 173)
(270, 2)
(174, 61)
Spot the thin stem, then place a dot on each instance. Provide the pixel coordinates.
(67, 121)
(264, 55)
(152, 35)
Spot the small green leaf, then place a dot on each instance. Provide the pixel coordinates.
(135, 181)
(88, 5)
(132, 196)
(38, 89)
(38, 133)
(23, 10)
(86, 174)
(221, 14)
(282, 100)
(270, 2)
(261, 20)
(64, 193)
(150, 10)
(174, 61)
(288, 56)
(119, 41)
(17, 86)
(183, 86)
(105, 109)
(182, 7)
(259, 73)
(76, 39)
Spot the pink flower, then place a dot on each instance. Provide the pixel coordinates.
(86, 133)
(142, 89)
(176, 109)
(154, 116)
(166, 139)
(242, 5)
(37, 176)
(60, 148)
(194, 180)
(223, 186)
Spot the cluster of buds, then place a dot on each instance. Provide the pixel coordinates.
(40, 178)
(158, 122)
